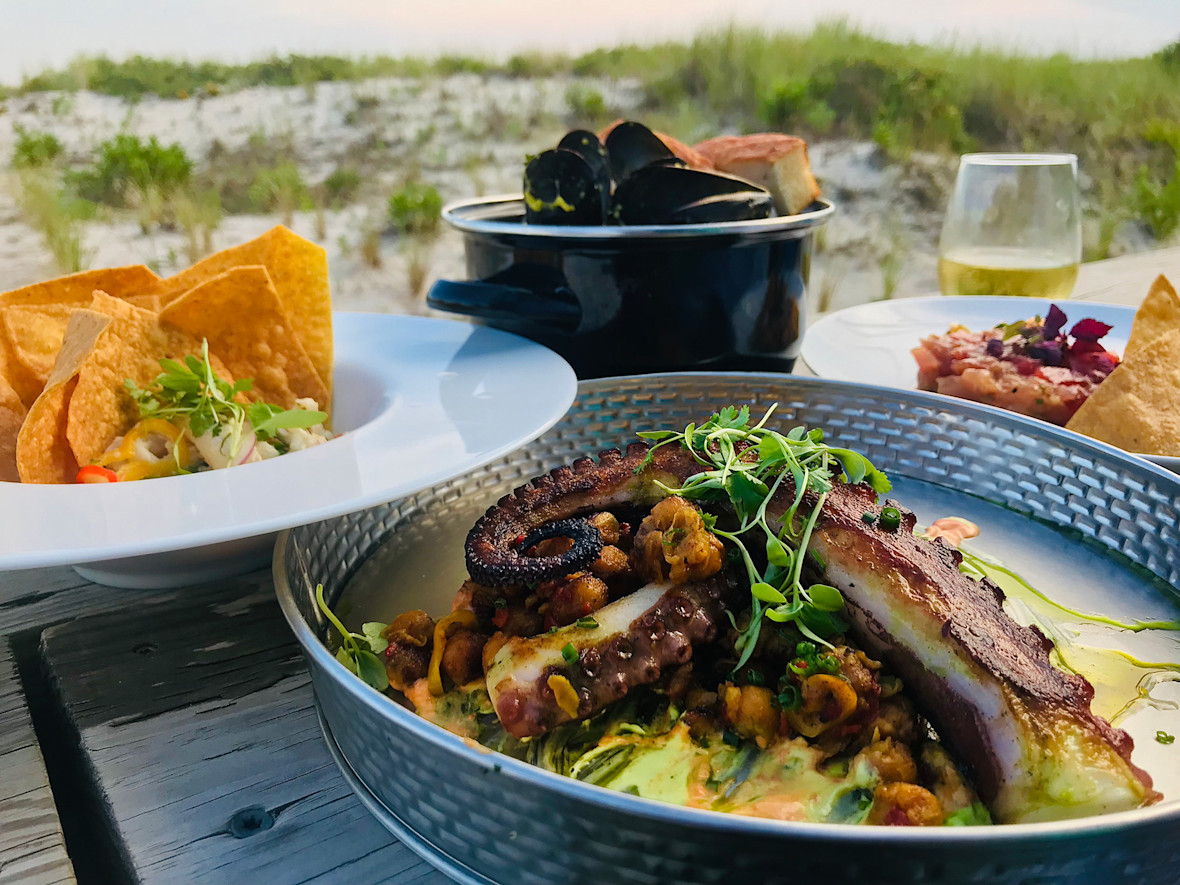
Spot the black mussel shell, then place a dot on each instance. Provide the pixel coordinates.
(587, 146)
(632, 146)
(561, 188)
(663, 194)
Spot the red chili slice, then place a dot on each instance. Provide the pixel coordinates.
(95, 473)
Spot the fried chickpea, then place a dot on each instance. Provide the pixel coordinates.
(611, 563)
(607, 525)
(672, 544)
(407, 657)
(750, 710)
(827, 701)
(892, 761)
(462, 659)
(578, 596)
(905, 805)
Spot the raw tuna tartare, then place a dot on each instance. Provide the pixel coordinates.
(1030, 366)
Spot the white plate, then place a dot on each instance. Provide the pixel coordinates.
(418, 400)
(871, 343)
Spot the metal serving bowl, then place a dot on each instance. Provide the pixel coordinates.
(625, 299)
(485, 818)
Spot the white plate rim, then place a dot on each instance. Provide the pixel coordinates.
(360, 339)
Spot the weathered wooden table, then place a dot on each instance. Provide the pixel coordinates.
(169, 736)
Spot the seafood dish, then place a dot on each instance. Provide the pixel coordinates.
(729, 617)
(1031, 366)
(631, 175)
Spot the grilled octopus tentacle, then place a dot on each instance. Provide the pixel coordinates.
(496, 545)
(535, 687)
(986, 683)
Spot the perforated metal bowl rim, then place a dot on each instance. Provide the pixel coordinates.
(613, 800)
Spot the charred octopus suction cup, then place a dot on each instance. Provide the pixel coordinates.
(514, 567)
(560, 187)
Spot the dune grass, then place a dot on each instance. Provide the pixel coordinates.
(836, 80)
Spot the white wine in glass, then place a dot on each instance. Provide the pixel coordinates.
(1013, 227)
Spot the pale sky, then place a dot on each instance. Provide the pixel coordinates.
(35, 34)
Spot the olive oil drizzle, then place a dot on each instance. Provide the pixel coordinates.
(1111, 671)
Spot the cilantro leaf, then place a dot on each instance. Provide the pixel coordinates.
(267, 420)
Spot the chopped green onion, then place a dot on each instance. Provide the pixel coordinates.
(754, 677)
(799, 667)
(805, 649)
(587, 623)
(890, 518)
(868, 518)
(500, 602)
(569, 653)
(788, 698)
(829, 663)
(731, 738)
(1164, 738)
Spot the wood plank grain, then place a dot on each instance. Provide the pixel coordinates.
(192, 713)
(32, 850)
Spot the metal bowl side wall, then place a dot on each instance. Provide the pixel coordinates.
(513, 823)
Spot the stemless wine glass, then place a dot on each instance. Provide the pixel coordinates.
(1013, 227)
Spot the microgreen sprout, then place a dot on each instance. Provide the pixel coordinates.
(358, 651)
(191, 392)
(746, 466)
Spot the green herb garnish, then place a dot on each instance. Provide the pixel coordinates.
(1164, 738)
(890, 518)
(587, 623)
(974, 815)
(569, 654)
(191, 393)
(358, 651)
(745, 465)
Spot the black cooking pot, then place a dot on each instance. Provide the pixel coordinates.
(617, 300)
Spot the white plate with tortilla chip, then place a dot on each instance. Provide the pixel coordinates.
(416, 401)
(871, 343)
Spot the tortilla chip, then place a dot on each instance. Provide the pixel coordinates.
(131, 347)
(147, 302)
(133, 281)
(1157, 315)
(241, 316)
(43, 453)
(34, 333)
(1137, 407)
(299, 271)
(12, 415)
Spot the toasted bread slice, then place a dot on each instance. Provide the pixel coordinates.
(775, 161)
(692, 157)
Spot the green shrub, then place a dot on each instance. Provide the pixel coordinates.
(281, 189)
(54, 211)
(35, 149)
(1169, 57)
(1158, 202)
(585, 104)
(126, 165)
(341, 185)
(416, 209)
